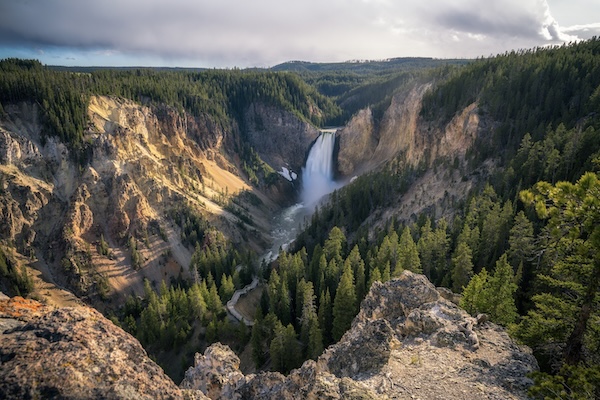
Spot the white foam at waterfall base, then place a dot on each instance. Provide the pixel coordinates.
(317, 175)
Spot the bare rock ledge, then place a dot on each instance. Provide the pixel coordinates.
(407, 342)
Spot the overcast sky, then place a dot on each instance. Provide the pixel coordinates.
(245, 33)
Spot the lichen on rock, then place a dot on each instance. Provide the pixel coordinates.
(74, 353)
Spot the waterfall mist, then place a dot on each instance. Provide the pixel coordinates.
(317, 175)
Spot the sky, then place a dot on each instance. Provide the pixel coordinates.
(263, 33)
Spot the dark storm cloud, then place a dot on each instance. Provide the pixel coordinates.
(525, 25)
(269, 31)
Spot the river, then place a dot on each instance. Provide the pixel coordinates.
(317, 182)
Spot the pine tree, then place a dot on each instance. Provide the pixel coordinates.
(306, 302)
(314, 266)
(315, 339)
(408, 254)
(358, 267)
(344, 305)
(521, 240)
(473, 298)
(197, 304)
(385, 272)
(334, 245)
(440, 252)
(326, 316)
(257, 339)
(322, 270)
(214, 303)
(462, 267)
(284, 349)
(501, 289)
(273, 288)
(493, 295)
(227, 288)
(388, 251)
(470, 236)
(284, 307)
(433, 249)
(375, 277)
(573, 233)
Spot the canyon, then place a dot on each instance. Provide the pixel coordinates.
(91, 234)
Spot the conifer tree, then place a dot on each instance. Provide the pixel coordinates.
(326, 316)
(273, 288)
(462, 267)
(334, 245)
(521, 240)
(284, 307)
(573, 233)
(470, 236)
(314, 267)
(408, 254)
(214, 301)
(501, 297)
(344, 305)
(388, 251)
(227, 288)
(493, 295)
(385, 272)
(473, 298)
(306, 300)
(315, 339)
(257, 339)
(358, 268)
(375, 277)
(197, 303)
(284, 349)
(433, 249)
(321, 272)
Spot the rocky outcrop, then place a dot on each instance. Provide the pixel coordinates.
(401, 131)
(216, 373)
(280, 138)
(406, 342)
(357, 143)
(74, 353)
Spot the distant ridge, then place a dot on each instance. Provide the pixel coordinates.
(368, 66)
(356, 66)
(128, 68)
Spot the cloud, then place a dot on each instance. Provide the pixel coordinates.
(585, 31)
(264, 32)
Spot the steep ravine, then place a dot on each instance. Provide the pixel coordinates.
(143, 161)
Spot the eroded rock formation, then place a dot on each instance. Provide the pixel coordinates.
(74, 353)
(406, 342)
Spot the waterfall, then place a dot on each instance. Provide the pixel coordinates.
(317, 175)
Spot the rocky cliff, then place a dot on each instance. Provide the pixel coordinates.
(74, 353)
(279, 137)
(366, 143)
(406, 342)
(402, 137)
(141, 162)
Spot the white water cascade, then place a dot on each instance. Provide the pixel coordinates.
(317, 175)
(317, 181)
